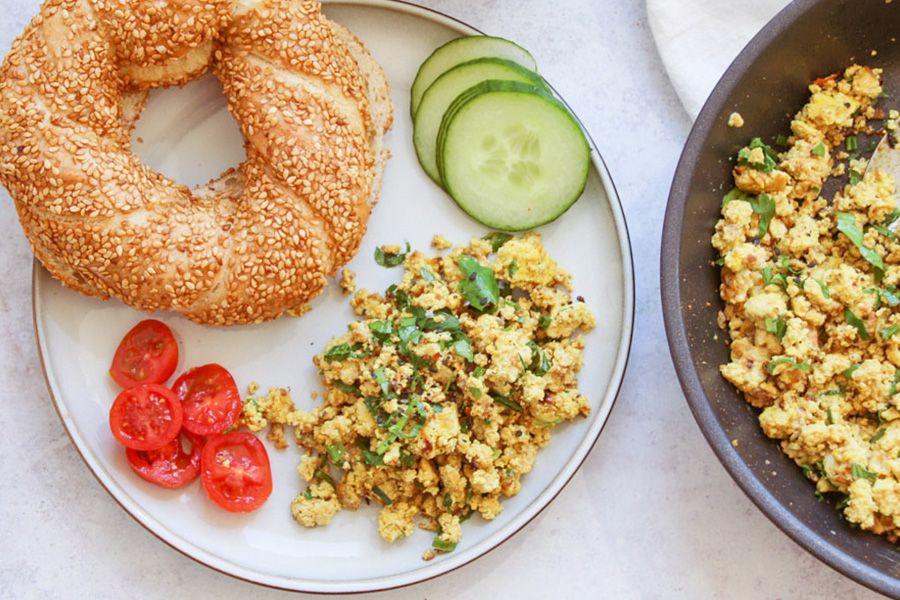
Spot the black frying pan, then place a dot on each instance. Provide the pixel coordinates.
(767, 84)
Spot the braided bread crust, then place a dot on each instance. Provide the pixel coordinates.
(311, 102)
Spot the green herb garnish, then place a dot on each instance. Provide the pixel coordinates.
(846, 224)
(339, 352)
(443, 546)
(544, 321)
(786, 360)
(351, 390)
(825, 291)
(878, 435)
(505, 401)
(852, 143)
(781, 140)
(427, 275)
(390, 260)
(382, 495)
(463, 347)
(371, 458)
(771, 277)
(322, 475)
(764, 206)
(860, 325)
(776, 326)
(860, 472)
(888, 332)
(770, 157)
(336, 453)
(478, 287)
(497, 239)
(819, 149)
(848, 373)
(382, 380)
(736, 194)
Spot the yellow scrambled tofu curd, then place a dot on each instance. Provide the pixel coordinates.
(811, 301)
(438, 400)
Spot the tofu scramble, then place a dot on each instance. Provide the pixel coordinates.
(439, 398)
(811, 300)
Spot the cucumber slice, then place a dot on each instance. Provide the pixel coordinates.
(512, 156)
(445, 90)
(462, 50)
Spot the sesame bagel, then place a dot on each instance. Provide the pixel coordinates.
(311, 102)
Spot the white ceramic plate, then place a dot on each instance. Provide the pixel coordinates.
(189, 135)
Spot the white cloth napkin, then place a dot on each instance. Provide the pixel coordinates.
(698, 39)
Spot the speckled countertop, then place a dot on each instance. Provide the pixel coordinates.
(651, 514)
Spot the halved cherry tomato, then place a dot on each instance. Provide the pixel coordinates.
(145, 417)
(147, 354)
(169, 466)
(210, 399)
(235, 472)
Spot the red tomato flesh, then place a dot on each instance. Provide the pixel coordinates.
(234, 469)
(210, 399)
(145, 417)
(147, 354)
(170, 466)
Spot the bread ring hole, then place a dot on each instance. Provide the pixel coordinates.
(187, 134)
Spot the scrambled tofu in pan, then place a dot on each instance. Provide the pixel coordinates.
(811, 297)
(438, 400)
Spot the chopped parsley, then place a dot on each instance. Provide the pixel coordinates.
(846, 224)
(764, 206)
(351, 390)
(786, 360)
(443, 546)
(371, 458)
(544, 321)
(878, 435)
(770, 157)
(507, 402)
(389, 260)
(860, 325)
(343, 352)
(497, 239)
(825, 291)
(776, 326)
(851, 143)
(336, 453)
(382, 495)
(736, 194)
(855, 176)
(478, 286)
(427, 275)
(888, 332)
(848, 373)
(860, 472)
(463, 347)
(819, 149)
